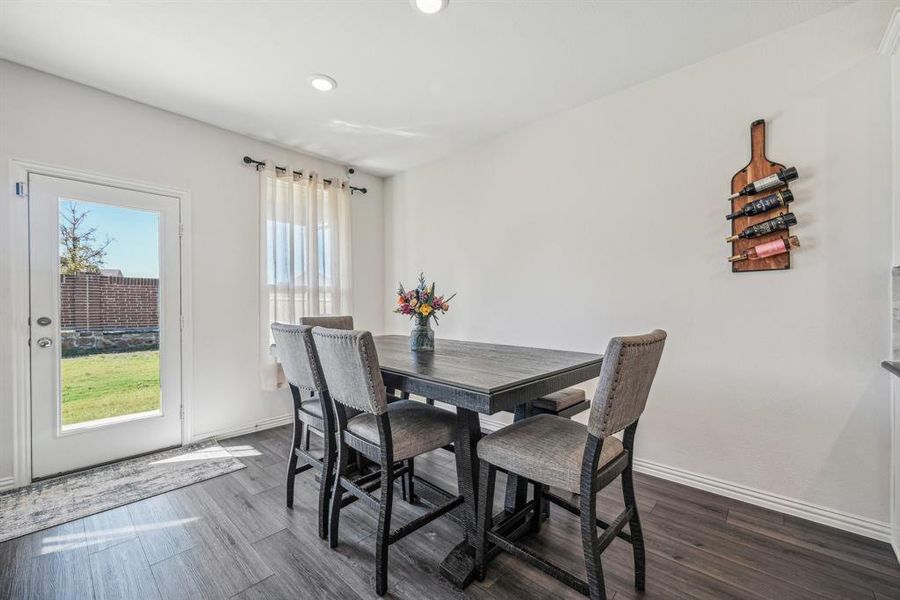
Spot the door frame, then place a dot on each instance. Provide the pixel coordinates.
(18, 299)
(890, 47)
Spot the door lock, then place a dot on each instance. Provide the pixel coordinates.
(44, 321)
(44, 342)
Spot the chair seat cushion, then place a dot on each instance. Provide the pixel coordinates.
(545, 448)
(559, 401)
(416, 428)
(312, 407)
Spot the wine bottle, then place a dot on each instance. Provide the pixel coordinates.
(764, 204)
(779, 223)
(768, 249)
(767, 183)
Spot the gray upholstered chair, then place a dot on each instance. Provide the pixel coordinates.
(383, 431)
(554, 451)
(296, 352)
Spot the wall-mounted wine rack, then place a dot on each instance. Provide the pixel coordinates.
(758, 167)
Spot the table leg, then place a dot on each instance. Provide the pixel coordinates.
(516, 487)
(459, 566)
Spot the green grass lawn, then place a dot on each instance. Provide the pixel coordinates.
(109, 385)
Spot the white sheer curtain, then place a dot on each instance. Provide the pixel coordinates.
(304, 254)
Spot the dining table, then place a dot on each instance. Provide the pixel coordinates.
(476, 379)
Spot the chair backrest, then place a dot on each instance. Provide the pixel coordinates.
(297, 353)
(350, 365)
(338, 322)
(629, 367)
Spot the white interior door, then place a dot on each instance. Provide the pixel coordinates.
(105, 323)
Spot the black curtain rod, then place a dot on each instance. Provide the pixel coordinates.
(259, 164)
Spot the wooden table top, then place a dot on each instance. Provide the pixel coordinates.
(482, 377)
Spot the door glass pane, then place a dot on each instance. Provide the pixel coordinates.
(109, 313)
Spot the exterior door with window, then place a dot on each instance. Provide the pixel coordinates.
(105, 323)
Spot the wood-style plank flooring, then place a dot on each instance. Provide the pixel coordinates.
(232, 537)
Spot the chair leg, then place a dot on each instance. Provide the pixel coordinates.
(410, 475)
(360, 461)
(634, 526)
(545, 506)
(403, 494)
(292, 463)
(306, 438)
(487, 479)
(337, 494)
(596, 585)
(538, 513)
(384, 528)
(325, 485)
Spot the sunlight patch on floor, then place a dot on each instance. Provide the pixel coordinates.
(52, 544)
(212, 453)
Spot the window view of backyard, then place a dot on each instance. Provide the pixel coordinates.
(109, 385)
(109, 312)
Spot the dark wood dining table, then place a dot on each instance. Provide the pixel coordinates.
(478, 378)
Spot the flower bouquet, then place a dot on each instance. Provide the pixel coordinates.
(421, 304)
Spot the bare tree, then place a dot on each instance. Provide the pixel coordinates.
(80, 252)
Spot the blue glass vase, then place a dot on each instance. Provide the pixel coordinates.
(421, 338)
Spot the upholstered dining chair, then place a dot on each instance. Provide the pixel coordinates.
(296, 352)
(549, 450)
(386, 432)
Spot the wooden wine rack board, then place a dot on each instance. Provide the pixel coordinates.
(758, 167)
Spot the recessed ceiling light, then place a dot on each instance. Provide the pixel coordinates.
(430, 7)
(323, 83)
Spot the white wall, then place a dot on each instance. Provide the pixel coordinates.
(51, 120)
(609, 219)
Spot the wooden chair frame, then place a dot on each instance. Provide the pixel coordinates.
(490, 540)
(305, 423)
(361, 489)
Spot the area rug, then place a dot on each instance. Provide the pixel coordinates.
(70, 497)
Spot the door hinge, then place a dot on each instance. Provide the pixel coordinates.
(180, 229)
(182, 321)
(21, 189)
(181, 412)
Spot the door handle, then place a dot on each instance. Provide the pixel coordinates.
(44, 321)
(44, 342)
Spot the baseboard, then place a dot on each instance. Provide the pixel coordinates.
(222, 434)
(7, 483)
(789, 506)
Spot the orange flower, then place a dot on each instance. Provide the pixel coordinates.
(400, 299)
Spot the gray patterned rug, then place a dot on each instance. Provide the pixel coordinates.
(62, 499)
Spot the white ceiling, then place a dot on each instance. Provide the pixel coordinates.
(411, 87)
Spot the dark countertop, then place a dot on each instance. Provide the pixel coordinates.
(892, 366)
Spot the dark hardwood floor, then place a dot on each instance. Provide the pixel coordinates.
(232, 537)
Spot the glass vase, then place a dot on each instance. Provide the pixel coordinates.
(421, 338)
